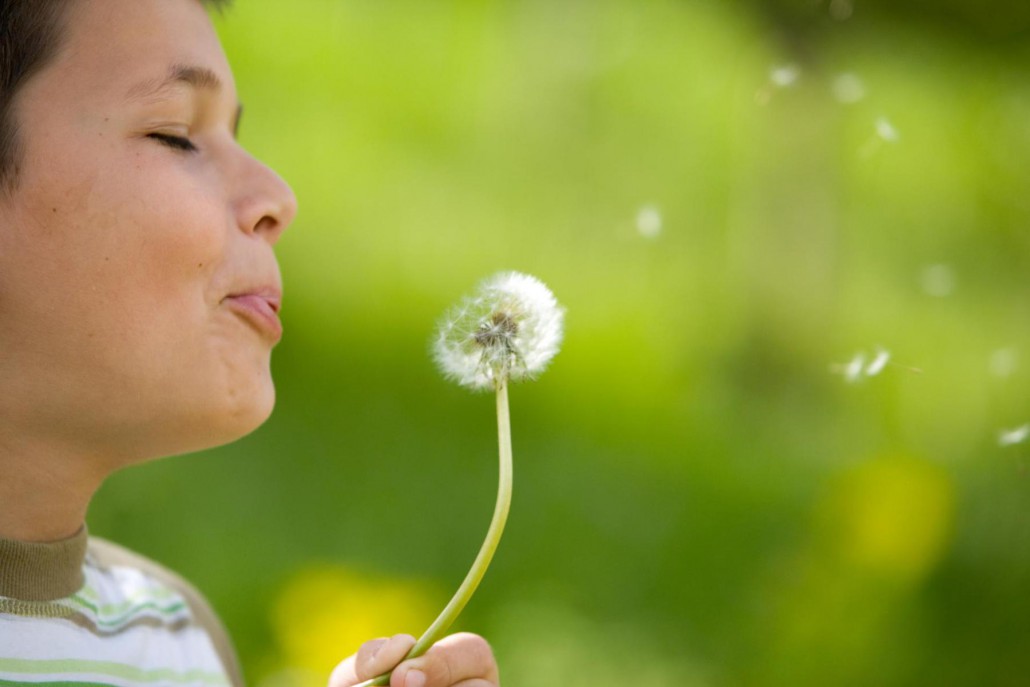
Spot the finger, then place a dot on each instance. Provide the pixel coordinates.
(451, 661)
(343, 675)
(382, 656)
(375, 657)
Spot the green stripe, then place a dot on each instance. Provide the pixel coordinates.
(90, 594)
(168, 611)
(110, 668)
(65, 609)
(11, 683)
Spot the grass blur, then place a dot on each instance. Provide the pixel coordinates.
(703, 496)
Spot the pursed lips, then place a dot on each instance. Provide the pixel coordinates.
(260, 308)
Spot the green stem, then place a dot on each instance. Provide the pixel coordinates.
(486, 552)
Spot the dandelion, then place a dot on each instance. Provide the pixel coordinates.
(1011, 437)
(508, 331)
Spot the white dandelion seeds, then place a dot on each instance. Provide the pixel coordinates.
(848, 88)
(510, 329)
(780, 77)
(883, 133)
(649, 221)
(938, 280)
(886, 131)
(853, 368)
(1011, 437)
(1004, 362)
(784, 75)
(878, 363)
(860, 366)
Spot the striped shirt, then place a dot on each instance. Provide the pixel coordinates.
(85, 612)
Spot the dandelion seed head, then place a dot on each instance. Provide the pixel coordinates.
(848, 88)
(509, 329)
(649, 221)
(1011, 437)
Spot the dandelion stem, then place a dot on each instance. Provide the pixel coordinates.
(486, 551)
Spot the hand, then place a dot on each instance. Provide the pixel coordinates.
(460, 660)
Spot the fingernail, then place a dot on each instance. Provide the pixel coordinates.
(415, 678)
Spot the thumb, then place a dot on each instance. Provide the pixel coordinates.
(375, 657)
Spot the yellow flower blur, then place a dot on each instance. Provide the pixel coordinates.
(323, 614)
(892, 516)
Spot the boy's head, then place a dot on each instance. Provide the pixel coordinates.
(30, 34)
(138, 286)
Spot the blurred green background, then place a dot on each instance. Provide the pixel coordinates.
(744, 206)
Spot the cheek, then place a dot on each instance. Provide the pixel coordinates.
(127, 257)
(143, 235)
(157, 276)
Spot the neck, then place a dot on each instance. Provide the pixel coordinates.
(45, 490)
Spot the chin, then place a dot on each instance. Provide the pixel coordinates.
(212, 404)
(247, 412)
(242, 398)
(210, 425)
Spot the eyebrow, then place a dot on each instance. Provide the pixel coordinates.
(190, 75)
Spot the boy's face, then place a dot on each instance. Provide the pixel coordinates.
(138, 285)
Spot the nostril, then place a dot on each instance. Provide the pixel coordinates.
(266, 224)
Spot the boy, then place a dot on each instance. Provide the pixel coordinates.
(139, 299)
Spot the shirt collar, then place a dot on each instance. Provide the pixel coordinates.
(35, 571)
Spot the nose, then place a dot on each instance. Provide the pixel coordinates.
(265, 204)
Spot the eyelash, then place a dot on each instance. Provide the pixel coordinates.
(176, 142)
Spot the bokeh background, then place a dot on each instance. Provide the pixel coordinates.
(786, 440)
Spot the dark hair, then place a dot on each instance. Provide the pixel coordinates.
(30, 35)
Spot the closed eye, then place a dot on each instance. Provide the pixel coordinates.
(173, 141)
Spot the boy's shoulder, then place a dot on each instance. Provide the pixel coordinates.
(105, 554)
